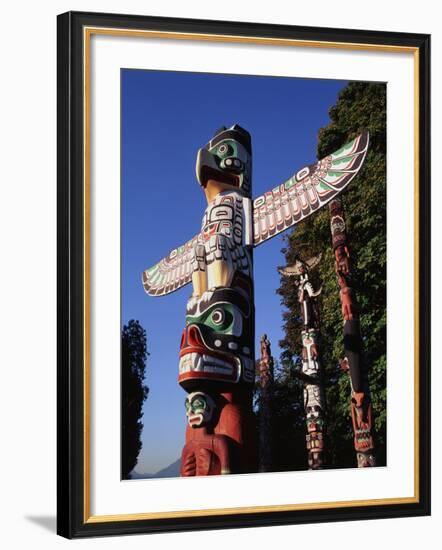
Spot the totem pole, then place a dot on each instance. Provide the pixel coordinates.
(265, 367)
(311, 375)
(217, 364)
(361, 409)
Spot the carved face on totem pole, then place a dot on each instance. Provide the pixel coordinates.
(200, 408)
(313, 407)
(217, 343)
(226, 161)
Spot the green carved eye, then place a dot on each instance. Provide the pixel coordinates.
(220, 319)
(224, 149)
(198, 404)
(223, 318)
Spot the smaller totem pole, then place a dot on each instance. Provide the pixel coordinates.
(314, 402)
(361, 409)
(265, 368)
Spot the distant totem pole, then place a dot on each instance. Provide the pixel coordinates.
(217, 352)
(311, 376)
(265, 369)
(361, 408)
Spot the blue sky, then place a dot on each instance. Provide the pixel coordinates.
(166, 117)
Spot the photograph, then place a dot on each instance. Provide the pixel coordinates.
(238, 361)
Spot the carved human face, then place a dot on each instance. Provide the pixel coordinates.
(217, 343)
(313, 412)
(199, 409)
(313, 409)
(365, 460)
(226, 160)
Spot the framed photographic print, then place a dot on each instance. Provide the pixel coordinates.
(243, 274)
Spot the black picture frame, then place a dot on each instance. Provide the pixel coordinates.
(72, 508)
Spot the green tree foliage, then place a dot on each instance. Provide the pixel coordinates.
(287, 419)
(133, 393)
(360, 105)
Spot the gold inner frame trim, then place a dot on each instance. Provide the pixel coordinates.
(87, 34)
(249, 39)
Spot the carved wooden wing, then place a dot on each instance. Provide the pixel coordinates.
(306, 191)
(172, 272)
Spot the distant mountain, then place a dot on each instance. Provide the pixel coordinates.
(137, 475)
(173, 470)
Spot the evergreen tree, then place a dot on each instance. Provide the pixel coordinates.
(288, 420)
(133, 393)
(360, 105)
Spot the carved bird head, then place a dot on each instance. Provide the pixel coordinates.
(225, 162)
